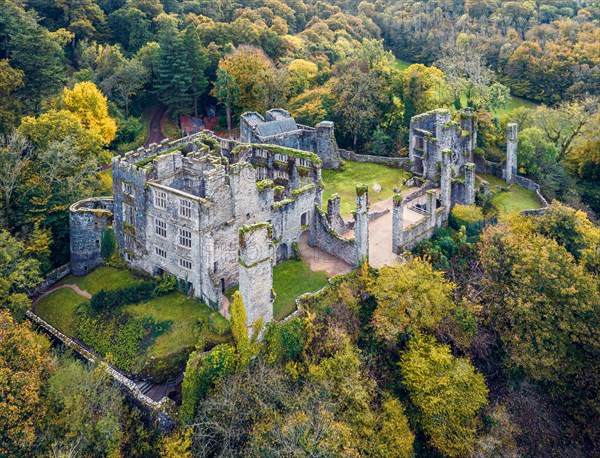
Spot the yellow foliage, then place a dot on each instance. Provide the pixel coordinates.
(89, 106)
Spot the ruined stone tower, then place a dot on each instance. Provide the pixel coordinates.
(511, 151)
(361, 227)
(88, 219)
(256, 271)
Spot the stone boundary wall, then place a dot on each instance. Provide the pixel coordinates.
(124, 381)
(420, 192)
(372, 216)
(423, 229)
(489, 167)
(395, 162)
(324, 237)
(52, 277)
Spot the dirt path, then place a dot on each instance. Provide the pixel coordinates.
(319, 260)
(380, 231)
(75, 288)
(155, 134)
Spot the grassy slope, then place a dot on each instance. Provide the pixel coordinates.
(516, 200)
(184, 314)
(291, 279)
(103, 277)
(513, 103)
(343, 182)
(57, 309)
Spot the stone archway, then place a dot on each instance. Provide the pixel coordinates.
(282, 253)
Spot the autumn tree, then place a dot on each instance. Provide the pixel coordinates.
(410, 298)
(24, 369)
(10, 81)
(423, 89)
(89, 106)
(447, 394)
(254, 73)
(84, 410)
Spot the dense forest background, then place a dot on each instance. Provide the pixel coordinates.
(504, 359)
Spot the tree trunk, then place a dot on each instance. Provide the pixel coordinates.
(228, 112)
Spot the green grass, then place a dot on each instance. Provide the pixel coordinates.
(291, 279)
(344, 180)
(103, 277)
(514, 103)
(183, 312)
(57, 309)
(402, 64)
(517, 199)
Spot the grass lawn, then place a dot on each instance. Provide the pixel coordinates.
(402, 64)
(184, 314)
(57, 309)
(344, 180)
(513, 103)
(291, 279)
(517, 199)
(102, 277)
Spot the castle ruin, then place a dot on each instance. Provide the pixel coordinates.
(280, 128)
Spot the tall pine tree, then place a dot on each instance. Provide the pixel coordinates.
(172, 77)
(197, 64)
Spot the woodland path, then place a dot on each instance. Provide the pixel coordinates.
(155, 134)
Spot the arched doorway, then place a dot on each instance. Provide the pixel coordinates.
(282, 253)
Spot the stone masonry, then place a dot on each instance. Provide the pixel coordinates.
(280, 128)
(511, 152)
(179, 208)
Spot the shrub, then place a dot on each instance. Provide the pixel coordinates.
(284, 342)
(107, 300)
(469, 216)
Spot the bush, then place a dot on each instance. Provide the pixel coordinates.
(469, 216)
(122, 337)
(107, 300)
(284, 342)
(109, 243)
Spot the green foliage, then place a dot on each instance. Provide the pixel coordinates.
(108, 243)
(395, 439)
(447, 394)
(201, 374)
(122, 339)
(104, 301)
(284, 342)
(85, 410)
(469, 216)
(410, 298)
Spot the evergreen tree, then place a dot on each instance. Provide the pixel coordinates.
(197, 64)
(172, 75)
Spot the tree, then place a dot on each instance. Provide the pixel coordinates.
(128, 78)
(227, 92)
(253, 72)
(423, 89)
(198, 64)
(411, 298)
(56, 125)
(10, 81)
(543, 305)
(303, 75)
(358, 96)
(15, 153)
(18, 273)
(89, 106)
(84, 410)
(24, 368)
(395, 439)
(172, 75)
(447, 394)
